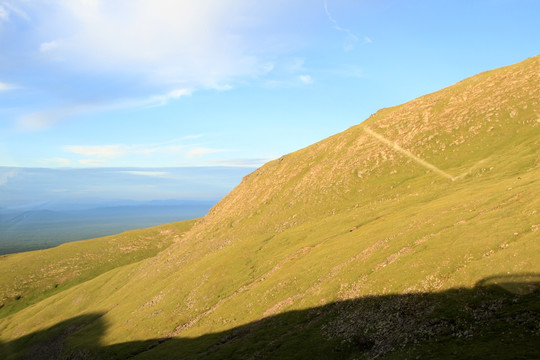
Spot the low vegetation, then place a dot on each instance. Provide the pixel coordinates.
(28, 277)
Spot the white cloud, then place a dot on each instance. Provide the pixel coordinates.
(8, 8)
(104, 151)
(40, 120)
(201, 151)
(6, 86)
(268, 67)
(173, 47)
(295, 65)
(160, 100)
(202, 43)
(348, 43)
(4, 14)
(109, 151)
(48, 46)
(172, 151)
(306, 79)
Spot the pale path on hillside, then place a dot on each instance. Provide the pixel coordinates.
(408, 154)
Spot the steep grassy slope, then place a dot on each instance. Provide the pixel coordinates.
(387, 239)
(28, 277)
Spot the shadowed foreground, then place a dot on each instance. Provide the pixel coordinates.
(498, 318)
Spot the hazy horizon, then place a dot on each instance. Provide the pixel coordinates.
(29, 187)
(41, 207)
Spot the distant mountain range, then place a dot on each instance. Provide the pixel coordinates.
(413, 235)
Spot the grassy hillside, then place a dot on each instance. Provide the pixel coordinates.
(413, 233)
(28, 277)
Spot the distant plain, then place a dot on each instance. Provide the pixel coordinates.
(42, 208)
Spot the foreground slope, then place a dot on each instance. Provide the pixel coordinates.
(28, 277)
(415, 231)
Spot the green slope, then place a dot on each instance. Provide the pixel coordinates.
(28, 277)
(414, 232)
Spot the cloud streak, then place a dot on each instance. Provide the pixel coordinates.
(171, 151)
(103, 151)
(306, 79)
(44, 119)
(171, 147)
(7, 8)
(4, 14)
(351, 38)
(5, 86)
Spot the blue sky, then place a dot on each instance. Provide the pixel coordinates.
(165, 83)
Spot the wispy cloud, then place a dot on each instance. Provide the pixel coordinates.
(162, 49)
(5, 86)
(203, 44)
(201, 151)
(289, 72)
(7, 8)
(178, 147)
(163, 99)
(4, 14)
(120, 150)
(306, 79)
(104, 151)
(44, 119)
(295, 65)
(40, 120)
(48, 46)
(171, 152)
(351, 38)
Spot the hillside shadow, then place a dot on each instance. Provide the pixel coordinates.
(498, 319)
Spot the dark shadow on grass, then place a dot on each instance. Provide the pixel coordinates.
(51, 343)
(498, 319)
